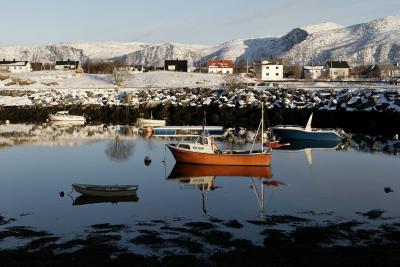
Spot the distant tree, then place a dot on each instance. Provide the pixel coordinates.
(232, 81)
(35, 55)
(99, 67)
(363, 71)
(293, 71)
(119, 150)
(240, 67)
(120, 74)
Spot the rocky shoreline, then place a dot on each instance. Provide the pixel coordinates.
(356, 110)
(357, 99)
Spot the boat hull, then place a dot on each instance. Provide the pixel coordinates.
(302, 134)
(102, 192)
(254, 159)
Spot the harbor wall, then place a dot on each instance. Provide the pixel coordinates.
(374, 122)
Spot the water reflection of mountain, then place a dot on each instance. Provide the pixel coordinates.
(376, 144)
(204, 178)
(62, 134)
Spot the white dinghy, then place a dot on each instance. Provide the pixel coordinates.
(105, 190)
(64, 116)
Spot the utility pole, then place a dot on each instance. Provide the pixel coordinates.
(312, 61)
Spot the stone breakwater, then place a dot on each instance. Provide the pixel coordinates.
(357, 99)
(355, 110)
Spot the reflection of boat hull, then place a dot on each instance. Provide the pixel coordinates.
(87, 200)
(300, 133)
(67, 123)
(150, 123)
(248, 159)
(275, 144)
(67, 118)
(303, 144)
(105, 191)
(188, 131)
(182, 170)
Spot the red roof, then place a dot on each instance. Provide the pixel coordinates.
(220, 64)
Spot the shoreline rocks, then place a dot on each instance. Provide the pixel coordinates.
(357, 99)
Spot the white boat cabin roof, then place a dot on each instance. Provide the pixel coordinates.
(62, 112)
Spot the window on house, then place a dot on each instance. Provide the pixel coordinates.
(20, 68)
(277, 74)
(267, 74)
(267, 68)
(277, 68)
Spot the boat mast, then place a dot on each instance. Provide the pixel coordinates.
(262, 127)
(203, 130)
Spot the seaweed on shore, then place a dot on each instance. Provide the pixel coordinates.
(372, 214)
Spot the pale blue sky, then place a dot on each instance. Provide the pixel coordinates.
(185, 21)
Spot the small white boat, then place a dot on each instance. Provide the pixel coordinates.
(105, 190)
(150, 123)
(290, 132)
(65, 116)
(142, 122)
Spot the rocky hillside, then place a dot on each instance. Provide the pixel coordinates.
(377, 41)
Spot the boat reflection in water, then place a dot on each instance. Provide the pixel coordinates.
(88, 200)
(204, 178)
(308, 146)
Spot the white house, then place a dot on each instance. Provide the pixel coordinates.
(337, 69)
(220, 66)
(271, 70)
(15, 66)
(313, 72)
(66, 65)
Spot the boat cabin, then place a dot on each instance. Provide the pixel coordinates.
(62, 113)
(208, 146)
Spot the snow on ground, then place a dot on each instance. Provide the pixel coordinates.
(157, 79)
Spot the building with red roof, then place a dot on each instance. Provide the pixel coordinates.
(220, 66)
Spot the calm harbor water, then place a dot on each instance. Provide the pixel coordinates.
(37, 162)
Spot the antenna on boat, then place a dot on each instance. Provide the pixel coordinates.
(204, 125)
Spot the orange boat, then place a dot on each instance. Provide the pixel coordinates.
(206, 152)
(196, 153)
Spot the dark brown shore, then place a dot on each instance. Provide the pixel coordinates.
(308, 244)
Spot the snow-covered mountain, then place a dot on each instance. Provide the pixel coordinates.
(366, 43)
(156, 54)
(377, 41)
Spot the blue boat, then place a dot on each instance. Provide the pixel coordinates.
(290, 132)
(215, 131)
